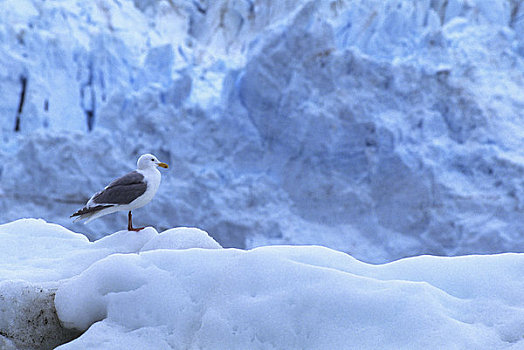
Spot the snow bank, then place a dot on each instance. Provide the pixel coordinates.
(294, 298)
(36, 251)
(166, 290)
(35, 257)
(181, 238)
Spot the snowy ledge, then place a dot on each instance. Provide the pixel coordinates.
(180, 289)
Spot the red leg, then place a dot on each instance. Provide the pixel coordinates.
(130, 223)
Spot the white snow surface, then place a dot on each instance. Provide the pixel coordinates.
(382, 128)
(151, 290)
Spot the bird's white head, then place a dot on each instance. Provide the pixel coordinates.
(148, 160)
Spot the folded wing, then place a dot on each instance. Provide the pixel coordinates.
(123, 190)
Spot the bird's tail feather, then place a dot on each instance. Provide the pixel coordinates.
(88, 212)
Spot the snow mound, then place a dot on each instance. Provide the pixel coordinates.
(36, 251)
(182, 238)
(294, 298)
(36, 256)
(179, 289)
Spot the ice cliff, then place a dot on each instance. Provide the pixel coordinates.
(380, 128)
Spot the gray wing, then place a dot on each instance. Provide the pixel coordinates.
(123, 190)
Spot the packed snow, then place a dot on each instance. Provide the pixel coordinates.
(178, 289)
(393, 127)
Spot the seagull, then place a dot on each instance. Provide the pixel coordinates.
(131, 191)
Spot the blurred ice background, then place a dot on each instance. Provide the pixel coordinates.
(383, 129)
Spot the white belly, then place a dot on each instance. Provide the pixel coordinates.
(153, 182)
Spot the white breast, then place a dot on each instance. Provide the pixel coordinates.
(152, 177)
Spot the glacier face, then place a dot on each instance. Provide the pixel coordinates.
(380, 128)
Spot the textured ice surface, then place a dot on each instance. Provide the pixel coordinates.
(28, 318)
(293, 298)
(36, 257)
(287, 297)
(380, 128)
(39, 252)
(165, 290)
(181, 238)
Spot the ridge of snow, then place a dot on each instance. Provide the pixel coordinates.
(164, 290)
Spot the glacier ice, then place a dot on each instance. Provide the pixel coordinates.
(380, 128)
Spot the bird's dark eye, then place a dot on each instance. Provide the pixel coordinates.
(152, 159)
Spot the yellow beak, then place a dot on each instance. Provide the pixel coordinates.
(163, 165)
